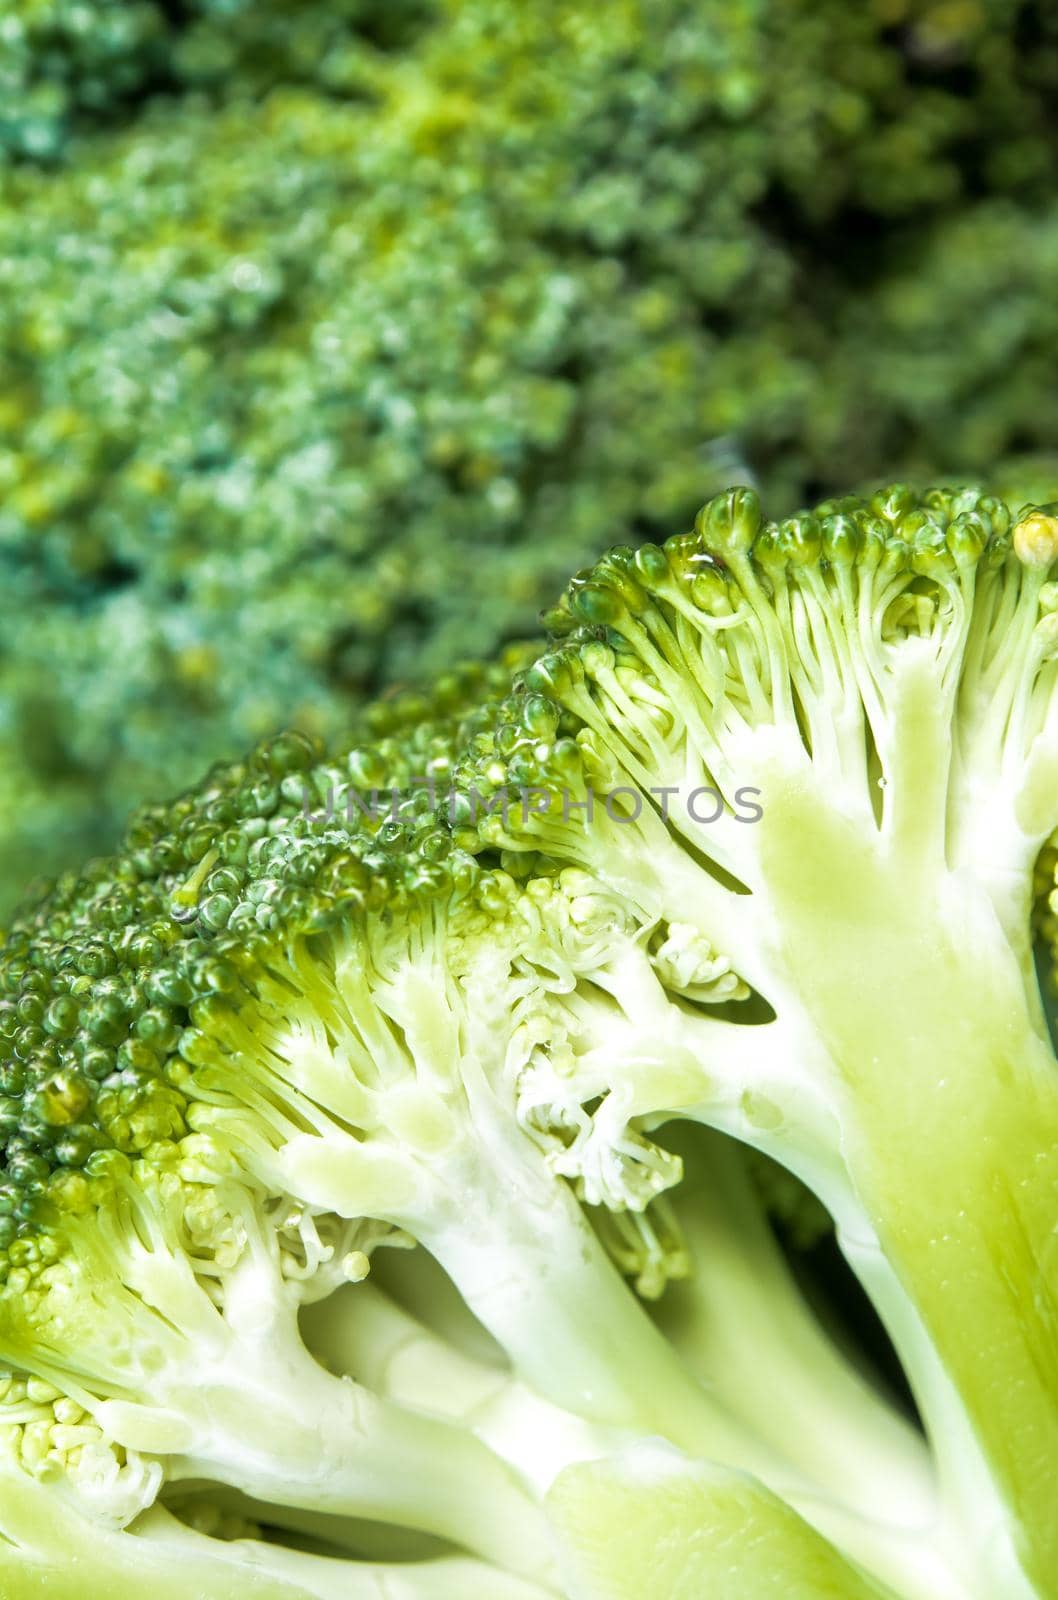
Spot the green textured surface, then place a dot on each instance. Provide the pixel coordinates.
(333, 335)
(655, 1527)
(321, 1014)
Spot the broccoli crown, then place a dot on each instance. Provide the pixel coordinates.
(748, 856)
(102, 976)
(71, 65)
(150, 1283)
(880, 675)
(336, 335)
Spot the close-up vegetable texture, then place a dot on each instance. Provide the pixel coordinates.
(529, 804)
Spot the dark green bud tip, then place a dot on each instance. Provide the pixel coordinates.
(617, 571)
(711, 590)
(215, 911)
(801, 539)
(62, 1017)
(558, 620)
(539, 716)
(729, 523)
(842, 539)
(367, 768)
(565, 760)
(597, 606)
(768, 551)
(893, 502)
(927, 543)
(967, 538)
(63, 1099)
(289, 752)
(875, 533)
(652, 564)
(998, 513)
(555, 674)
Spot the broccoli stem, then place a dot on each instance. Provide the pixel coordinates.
(530, 1267)
(948, 1103)
(48, 1548)
(323, 1460)
(279, 1427)
(361, 1328)
(649, 1523)
(740, 1320)
(517, 1246)
(315, 1577)
(789, 1380)
(889, 1530)
(444, 1578)
(541, 1283)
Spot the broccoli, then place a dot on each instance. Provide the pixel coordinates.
(71, 65)
(333, 335)
(50, 1548)
(882, 673)
(380, 1209)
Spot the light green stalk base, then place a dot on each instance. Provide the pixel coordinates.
(444, 1577)
(950, 1130)
(653, 1524)
(49, 1552)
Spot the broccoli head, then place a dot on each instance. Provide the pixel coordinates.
(381, 1126)
(334, 335)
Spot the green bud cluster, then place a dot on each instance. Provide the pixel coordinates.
(69, 65)
(908, 550)
(107, 983)
(337, 332)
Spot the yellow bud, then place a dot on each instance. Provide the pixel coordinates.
(1036, 539)
(355, 1266)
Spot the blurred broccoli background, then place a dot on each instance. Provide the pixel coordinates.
(334, 333)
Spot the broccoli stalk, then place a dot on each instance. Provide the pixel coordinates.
(194, 1366)
(886, 1515)
(49, 1547)
(262, 1043)
(872, 672)
(789, 1381)
(647, 1522)
(391, 1045)
(374, 1070)
(297, 1575)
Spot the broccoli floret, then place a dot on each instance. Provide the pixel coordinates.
(148, 1314)
(752, 848)
(50, 1548)
(880, 676)
(297, 1022)
(68, 66)
(340, 333)
(63, 58)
